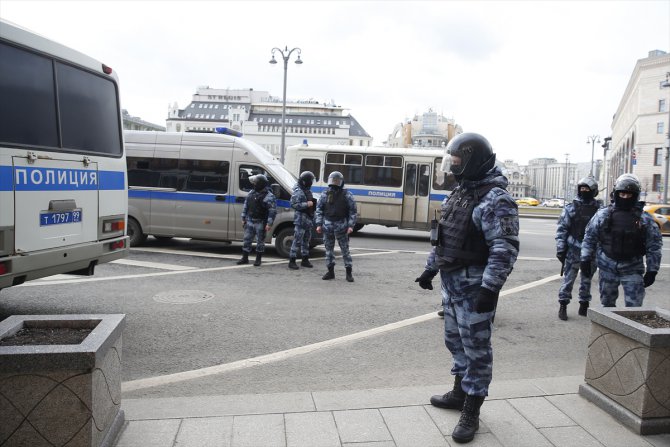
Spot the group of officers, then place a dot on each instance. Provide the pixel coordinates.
(475, 250)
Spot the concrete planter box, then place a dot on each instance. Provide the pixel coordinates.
(628, 368)
(62, 395)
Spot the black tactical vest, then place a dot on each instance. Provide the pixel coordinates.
(460, 242)
(256, 207)
(336, 206)
(583, 214)
(622, 237)
(310, 209)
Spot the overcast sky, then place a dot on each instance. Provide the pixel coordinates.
(535, 78)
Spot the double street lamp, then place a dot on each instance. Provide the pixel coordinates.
(592, 139)
(286, 55)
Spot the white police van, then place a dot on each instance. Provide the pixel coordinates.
(194, 185)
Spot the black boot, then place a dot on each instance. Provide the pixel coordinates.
(563, 311)
(257, 262)
(244, 260)
(350, 278)
(468, 424)
(305, 262)
(292, 265)
(452, 400)
(583, 307)
(330, 274)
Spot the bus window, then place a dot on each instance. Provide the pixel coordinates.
(410, 180)
(383, 170)
(209, 176)
(424, 180)
(313, 165)
(350, 165)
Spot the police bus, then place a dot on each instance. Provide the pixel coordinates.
(63, 193)
(393, 187)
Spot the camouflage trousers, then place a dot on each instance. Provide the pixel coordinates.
(570, 271)
(336, 230)
(467, 334)
(633, 288)
(254, 228)
(301, 237)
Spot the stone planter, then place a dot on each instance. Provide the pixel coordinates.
(628, 368)
(62, 394)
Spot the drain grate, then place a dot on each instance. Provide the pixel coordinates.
(183, 297)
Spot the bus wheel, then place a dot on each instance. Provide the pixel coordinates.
(357, 227)
(283, 242)
(135, 233)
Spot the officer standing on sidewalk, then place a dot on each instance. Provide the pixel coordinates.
(618, 237)
(336, 218)
(569, 236)
(478, 245)
(258, 214)
(303, 203)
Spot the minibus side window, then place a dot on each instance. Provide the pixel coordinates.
(313, 165)
(210, 176)
(350, 165)
(140, 173)
(383, 170)
(247, 171)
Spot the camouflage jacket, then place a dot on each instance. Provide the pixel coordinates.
(269, 202)
(299, 203)
(321, 204)
(563, 238)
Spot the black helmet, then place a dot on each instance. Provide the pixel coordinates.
(336, 179)
(626, 183)
(259, 181)
(306, 179)
(590, 183)
(475, 153)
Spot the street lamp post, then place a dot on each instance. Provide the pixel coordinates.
(606, 146)
(666, 84)
(286, 55)
(565, 198)
(592, 139)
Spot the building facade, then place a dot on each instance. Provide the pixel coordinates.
(548, 178)
(429, 130)
(258, 115)
(516, 175)
(639, 128)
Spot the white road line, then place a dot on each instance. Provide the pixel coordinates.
(153, 265)
(168, 379)
(201, 254)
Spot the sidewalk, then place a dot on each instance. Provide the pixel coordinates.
(517, 413)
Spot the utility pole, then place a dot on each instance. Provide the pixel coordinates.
(565, 198)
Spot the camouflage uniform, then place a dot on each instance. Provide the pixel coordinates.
(467, 334)
(571, 246)
(336, 229)
(626, 272)
(303, 222)
(254, 226)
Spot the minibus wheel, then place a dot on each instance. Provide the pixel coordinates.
(283, 242)
(135, 233)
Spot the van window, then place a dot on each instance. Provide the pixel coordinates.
(210, 176)
(247, 171)
(313, 165)
(154, 172)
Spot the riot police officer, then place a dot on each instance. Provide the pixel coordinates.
(258, 214)
(336, 218)
(569, 236)
(618, 237)
(477, 248)
(303, 203)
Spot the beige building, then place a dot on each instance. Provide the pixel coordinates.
(549, 178)
(640, 126)
(429, 130)
(258, 115)
(516, 176)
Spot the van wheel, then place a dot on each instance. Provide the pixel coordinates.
(358, 227)
(283, 242)
(135, 233)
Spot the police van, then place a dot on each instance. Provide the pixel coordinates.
(194, 185)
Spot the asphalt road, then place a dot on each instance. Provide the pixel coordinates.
(199, 324)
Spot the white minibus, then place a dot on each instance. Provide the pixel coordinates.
(194, 184)
(63, 193)
(393, 187)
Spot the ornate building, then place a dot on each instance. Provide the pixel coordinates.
(428, 130)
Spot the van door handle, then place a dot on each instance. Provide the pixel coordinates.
(239, 199)
(220, 198)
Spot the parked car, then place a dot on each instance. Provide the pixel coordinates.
(529, 201)
(554, 203)
(661, 215)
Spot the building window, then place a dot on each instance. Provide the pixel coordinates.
(660, 127)
(662, 105)
(656, 183)
(658, 156)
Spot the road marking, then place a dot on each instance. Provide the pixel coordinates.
(134, 385)
(201, 254)
(153, 265)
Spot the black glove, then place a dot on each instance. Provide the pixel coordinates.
(425, 279)
(560, 255)
(649, 278)
(585, 267)
(485, 301)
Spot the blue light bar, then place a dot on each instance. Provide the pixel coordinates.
(226, 131)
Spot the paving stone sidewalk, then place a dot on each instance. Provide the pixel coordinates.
(518, 413)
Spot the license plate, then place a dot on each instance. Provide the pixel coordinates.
(62, 217)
